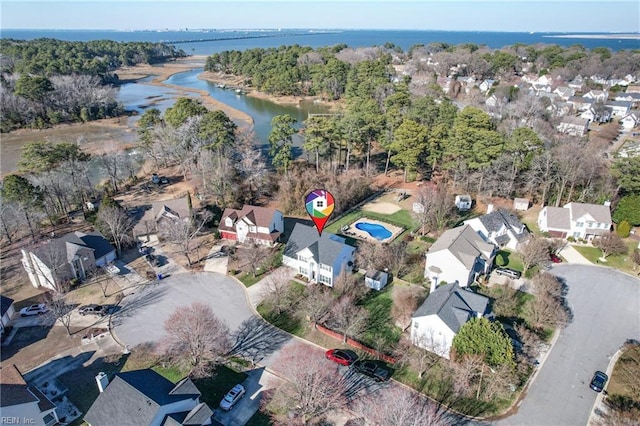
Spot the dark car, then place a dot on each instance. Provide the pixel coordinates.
(555, 258)
(164, 180)
(152, 260)
(599, 381)
(507, 272)
(373, 370)
(92, 310)
(341, 357)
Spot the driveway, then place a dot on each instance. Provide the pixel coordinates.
(143, 313)
(604, 304)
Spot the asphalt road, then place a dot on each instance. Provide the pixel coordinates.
(605, 305)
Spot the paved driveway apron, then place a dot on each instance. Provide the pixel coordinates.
(142, 316)
(605, 306)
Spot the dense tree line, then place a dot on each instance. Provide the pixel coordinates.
(46, 81)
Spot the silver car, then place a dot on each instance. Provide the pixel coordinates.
(232, 397)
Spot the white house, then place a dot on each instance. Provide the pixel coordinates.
(577, 220)
(318, 258)
(6, 311)
(144, 397)
(629, 97)
(486, 85)
(580, 103)
(257, 224)
(459, 255)
(21, 403)
(439, 318)
(577, 83)
(501, 228)
(597, 95)
(150, 219)
(619, 108)
(463, 202)
(574, 126)
(631, 120)
(74, 255)
(564, 92)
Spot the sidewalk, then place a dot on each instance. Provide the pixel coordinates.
(573, 256)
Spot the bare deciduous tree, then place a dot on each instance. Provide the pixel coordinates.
(255, 256)
(276, 292)
(347, 285)
(196, 336)
(398, 406)
(60, 308)
(116, 225)
(635, 258)
(405, 303)
(436, 209)
(610, 243)
(314, 388)
(347, 318)
(317, 304)
(183, 231)
(534, 252)
(547, 309)
(530, 341)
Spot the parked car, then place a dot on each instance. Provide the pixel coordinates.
(155, 179)
(152, 260)
(92, 309)
(37, 309)
(599, 381)
(341, 357)
(371, 369)
(164, 180)
(507, 272)
(232, 397)
(555, 258)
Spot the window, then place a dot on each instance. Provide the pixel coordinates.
(590, 224)
(324, 279)
(304, 271)
(325, 267)
(252, 229)
(301, 258)
(579, 224)
(228, 222)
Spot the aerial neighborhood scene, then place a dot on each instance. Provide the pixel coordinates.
(320, 213)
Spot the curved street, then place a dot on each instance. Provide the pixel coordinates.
(605, 305)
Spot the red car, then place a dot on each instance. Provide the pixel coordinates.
(555, 258)
(342, 357)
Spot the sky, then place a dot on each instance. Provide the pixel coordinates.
(453, 15)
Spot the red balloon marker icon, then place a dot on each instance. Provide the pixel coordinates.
(319, 204)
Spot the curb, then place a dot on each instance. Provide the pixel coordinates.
(600, 397)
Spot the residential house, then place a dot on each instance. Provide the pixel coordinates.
(6, 311)
(597, 115)
(633, 88)
(376, 280)
(596, 95)
(459, 255)
(73, 256)
(445, 83)
(564, 92)
(260, 225)
(463, 202)
(439, 318)
(631, 120)
(634, 98)
(577, 83)
(577, 220)
(521, 204)
(149, 223)
(580, 103)
(619, 108)
(317, 258)
(21, 403)
(574, 126)
(538, 89)
(560, 109)
(486, 85)
(144, 397)
(501, 228)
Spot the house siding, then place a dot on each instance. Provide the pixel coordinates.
(432, 334)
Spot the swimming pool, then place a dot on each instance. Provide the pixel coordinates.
(378, 232)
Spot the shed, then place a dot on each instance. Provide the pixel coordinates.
(521, 204)
(463, 202)
(7, 311)
(376, 280)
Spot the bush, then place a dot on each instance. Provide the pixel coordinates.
(571, 239)
(623, 229)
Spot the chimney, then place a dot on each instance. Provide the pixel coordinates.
(489, 208)
(102, 381)
(433, 285)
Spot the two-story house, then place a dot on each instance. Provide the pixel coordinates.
(21, 403)
(144, 397)
(574, 126)
(261, 225)
(439, 318)
(318, 258)
(500, 227)
(459, 255)
(577, 220)
(597, 95)
(74, 255)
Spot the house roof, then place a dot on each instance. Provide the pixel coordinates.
(196, 417)
(558, 218)
(623, 104)
(5, 304)
(599, 212)
(177, 207)
(495, 220)
(325, 249)
(252, 215)
(135, 397)
(375, 274)
(580, 100)
(14, 390)
(577, 121)
(521, 201)
(65, 248)
(465, 244)
(454, 305)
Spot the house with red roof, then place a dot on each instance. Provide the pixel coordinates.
(261, 225)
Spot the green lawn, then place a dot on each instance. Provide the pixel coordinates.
(248, 279)
(381, 327)
(617, 261)
(509, 259)
(400, 218)
(215, 387)
(259, 419)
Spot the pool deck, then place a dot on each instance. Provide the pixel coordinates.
(363, 235)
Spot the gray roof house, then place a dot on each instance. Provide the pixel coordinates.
(459, 255)
(317, 258)
(19, 401)
(440, 317)
(144, 397)
(577, 220)
(73, 255)
(501, 228)
(149, 218)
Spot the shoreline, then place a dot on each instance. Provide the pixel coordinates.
(625, 36)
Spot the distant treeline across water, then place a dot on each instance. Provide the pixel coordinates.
(206, 42)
